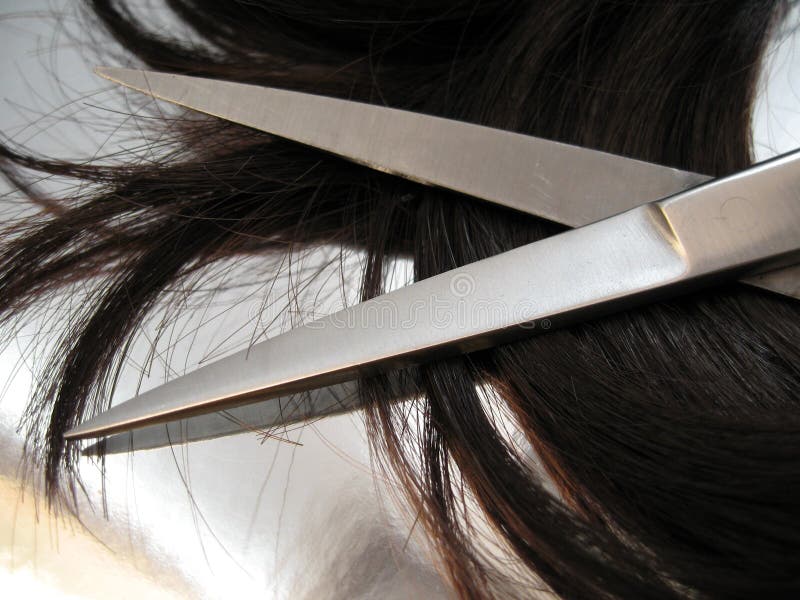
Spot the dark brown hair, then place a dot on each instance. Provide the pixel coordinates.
(671, 432)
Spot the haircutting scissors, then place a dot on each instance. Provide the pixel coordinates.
(643, 232)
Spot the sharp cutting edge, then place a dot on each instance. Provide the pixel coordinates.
(647, 253)
(563, 183)
(741, 224)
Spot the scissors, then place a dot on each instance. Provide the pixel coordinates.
(643, 232)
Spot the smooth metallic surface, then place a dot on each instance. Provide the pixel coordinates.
(784, 281)
(261, 418)
(567, 184)
(742, 224)
(740, 220)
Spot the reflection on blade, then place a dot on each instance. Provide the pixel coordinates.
(261, 418)
(743, 224)
(564, 183)
(784, 281)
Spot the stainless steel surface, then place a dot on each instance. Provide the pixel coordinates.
(567, 184)
(785, 280)
(564, 183)
(745, 223)
(259, 417)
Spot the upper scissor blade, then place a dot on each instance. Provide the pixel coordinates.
(736, 225)
(567, 184)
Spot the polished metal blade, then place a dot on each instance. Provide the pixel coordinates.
(567, 184)
(267, 417)
(741, 224)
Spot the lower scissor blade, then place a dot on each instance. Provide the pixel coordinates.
(466, 309)
(261, 417)
(744, 223)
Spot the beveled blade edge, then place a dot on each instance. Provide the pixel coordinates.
(564, 183)
(260, 418)
(784, 281)
(476, 306)
(714, 231)
(567, 184)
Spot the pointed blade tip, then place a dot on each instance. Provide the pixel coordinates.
(136, 79)
(111, 73)
(78, 433)
(91, 428)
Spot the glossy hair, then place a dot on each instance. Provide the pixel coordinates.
(670, 433)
